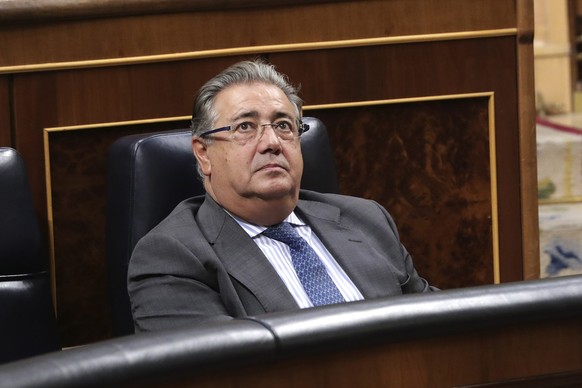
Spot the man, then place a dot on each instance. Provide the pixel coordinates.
(255, 242)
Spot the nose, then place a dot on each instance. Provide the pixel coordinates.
(268, 139)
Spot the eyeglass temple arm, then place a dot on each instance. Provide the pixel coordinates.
(221, 129)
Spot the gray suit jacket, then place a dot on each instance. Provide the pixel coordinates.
(200, 265)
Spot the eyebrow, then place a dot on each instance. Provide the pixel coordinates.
(254, 114)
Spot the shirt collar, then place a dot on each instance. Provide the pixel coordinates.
(254, 230)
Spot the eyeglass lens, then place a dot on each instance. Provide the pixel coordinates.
(243, 133)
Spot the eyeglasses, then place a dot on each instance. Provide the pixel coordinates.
(248, 131)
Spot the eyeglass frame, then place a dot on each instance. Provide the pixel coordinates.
(301, 129)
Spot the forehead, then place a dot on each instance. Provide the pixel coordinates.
(255, 98)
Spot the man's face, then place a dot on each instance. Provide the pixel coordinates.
(246, 178)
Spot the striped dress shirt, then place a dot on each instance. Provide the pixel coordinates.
(279, 255)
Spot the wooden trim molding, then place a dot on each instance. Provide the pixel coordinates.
(527, 139)
(51, 230)
(112, 124)
(494, 197)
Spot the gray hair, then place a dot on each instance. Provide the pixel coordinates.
(246, 72)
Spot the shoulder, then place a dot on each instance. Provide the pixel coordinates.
(184, 214)
(349, 211)
(184, 224)
(338, 200)
(177, 236)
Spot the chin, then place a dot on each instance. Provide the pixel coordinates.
(279, 193)
(278, 189)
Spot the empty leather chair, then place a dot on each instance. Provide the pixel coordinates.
(149, 174)
(27, 317)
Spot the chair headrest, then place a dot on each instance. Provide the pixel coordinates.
(21, 248)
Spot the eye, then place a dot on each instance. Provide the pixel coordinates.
(284, 126)
(246, 126)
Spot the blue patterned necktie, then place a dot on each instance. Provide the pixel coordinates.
(311, 272)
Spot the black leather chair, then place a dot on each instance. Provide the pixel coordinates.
(149, 174)
(27, 317)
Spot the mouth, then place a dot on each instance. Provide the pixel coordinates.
(272, 167)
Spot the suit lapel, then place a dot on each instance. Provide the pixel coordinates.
(243, 259)
(366, 267)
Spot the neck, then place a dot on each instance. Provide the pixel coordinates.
(259, 211)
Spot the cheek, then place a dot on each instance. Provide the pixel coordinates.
(218, 161)
(296, 160)
(233, 164)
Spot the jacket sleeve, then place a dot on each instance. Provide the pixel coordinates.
(169, 286)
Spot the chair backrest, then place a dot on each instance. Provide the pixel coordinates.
(27, 317)
(149, 174)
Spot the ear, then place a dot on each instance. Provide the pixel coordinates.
(199, 147)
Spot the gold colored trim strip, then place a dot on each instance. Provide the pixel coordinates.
(118, 124)
(494, 199)
(51, 230)
(396, 101)
(305, 108)
(259, 49)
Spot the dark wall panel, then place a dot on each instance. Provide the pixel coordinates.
(428, 164)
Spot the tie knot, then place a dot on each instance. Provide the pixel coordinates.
(283, 232)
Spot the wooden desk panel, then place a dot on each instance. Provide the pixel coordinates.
(50, 39)
(536, 354)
